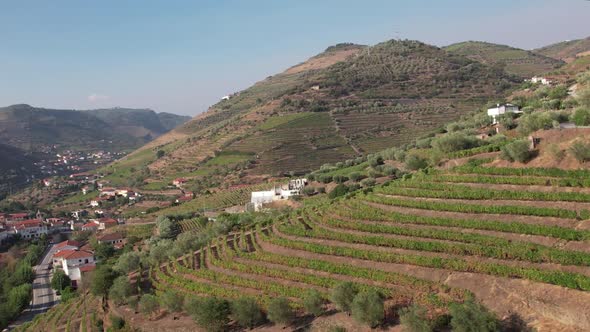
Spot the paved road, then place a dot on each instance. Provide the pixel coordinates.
(43, 296)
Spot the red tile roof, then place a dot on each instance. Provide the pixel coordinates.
(87, 268)
(90, 225)
(111, 237)
(73, 254)
(28, 223)
(108, 220)
(79, 254)
(18, 215)
(68, 243)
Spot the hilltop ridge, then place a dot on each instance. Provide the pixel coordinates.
(516, 61)
(347, 101)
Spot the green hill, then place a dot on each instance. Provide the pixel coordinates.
(32, 128)
(16, 169)
(516, 61)
(347, 101)
(567, 50)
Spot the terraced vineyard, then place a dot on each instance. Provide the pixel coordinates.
(518, 243)
(219, 200)
(73, 316)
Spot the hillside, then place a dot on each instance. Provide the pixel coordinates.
(16, 169)
(516, 61)
(32, 129)
(37, 134)
(139, 122)
(348, 101)
(567, 51)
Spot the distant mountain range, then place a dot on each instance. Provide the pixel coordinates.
(32, 128)
(29, 134)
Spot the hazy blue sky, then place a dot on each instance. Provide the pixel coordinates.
(182, 56)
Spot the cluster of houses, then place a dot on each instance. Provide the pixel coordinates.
(76, 259)
(27, 228)
(278, 193)
(72, 161)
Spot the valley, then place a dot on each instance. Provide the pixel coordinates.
(394, 187)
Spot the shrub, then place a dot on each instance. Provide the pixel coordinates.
(339, 190)
(280, 311)
(368, 308)
(471, 316)
(414, 162)
(60, 280)
(375, 161)
(120, 290)
(102, 280)
(313, 302)
(308, 191)
(506, 120)
(212, 313)
(580, 151)
(321, 190)
(325, 178)
(117, 322)
(557, 153)
(400, 155)
(517, 151)
(340, 178)
(455, 142)
(148, 304)
(390, 170)
(368, 182)
(356, 176)
(246, 312)
(67, 294)
(538, 120)
(415, 319)
(581, 116)
(343, 295)
(171, 300)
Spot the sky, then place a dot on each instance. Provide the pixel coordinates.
(183, 56)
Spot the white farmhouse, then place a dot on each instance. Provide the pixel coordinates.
(502, 109)
(542, 80)
(294, 187)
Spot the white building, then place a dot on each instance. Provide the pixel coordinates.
(259, 198)
(542, 80)
(30, 229)
(74, 263)
(502, 109)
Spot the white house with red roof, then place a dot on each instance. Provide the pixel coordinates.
(30, 229)
(108, 192)
(74, 263)
(105, 223)
(67, 245)
(115, 239)
(91, 226)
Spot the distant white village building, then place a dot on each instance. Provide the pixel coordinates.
(225, 98)
(541, 80)
(502, 109)
(259, 198)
